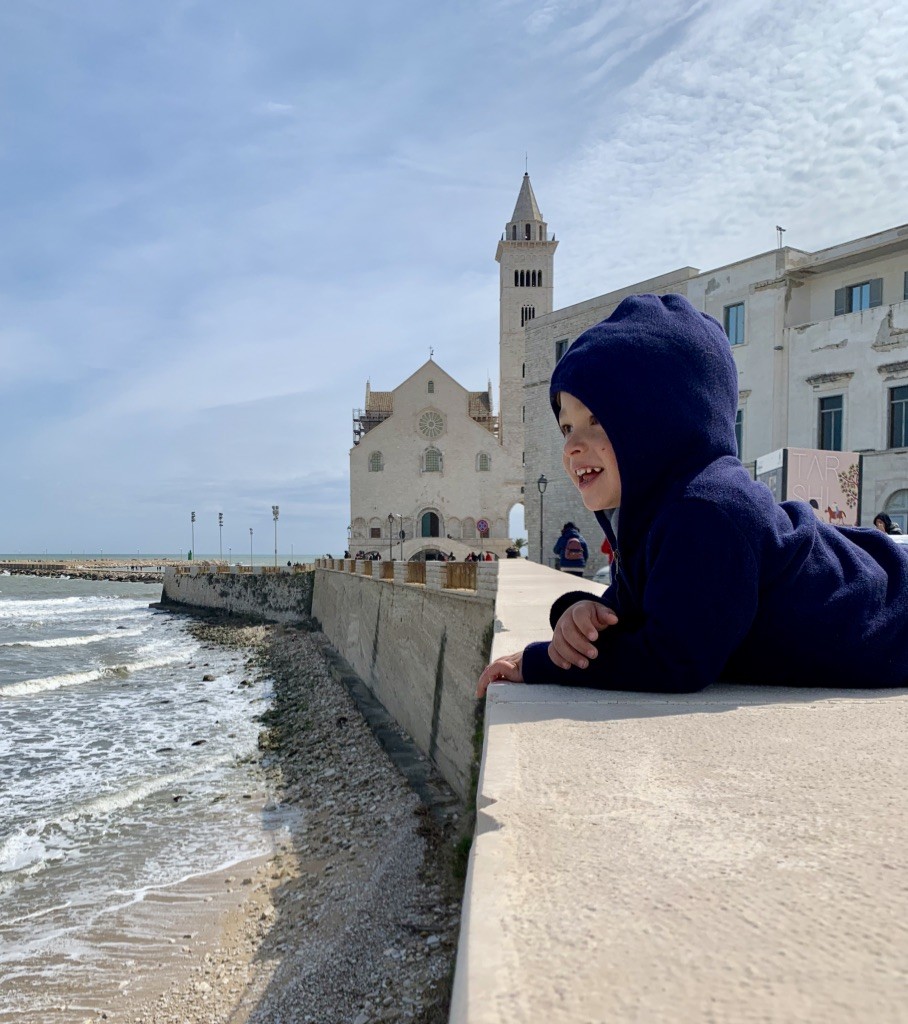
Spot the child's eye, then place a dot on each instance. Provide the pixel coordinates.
(565, 430)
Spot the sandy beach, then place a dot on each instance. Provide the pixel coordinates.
(354, 916)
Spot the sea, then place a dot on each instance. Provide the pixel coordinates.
(122, 775)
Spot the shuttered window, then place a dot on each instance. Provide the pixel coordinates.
(855, 297)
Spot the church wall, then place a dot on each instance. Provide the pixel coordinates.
(459, 492)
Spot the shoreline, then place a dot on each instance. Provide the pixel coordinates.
(354, 916)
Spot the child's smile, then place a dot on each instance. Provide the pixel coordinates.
(588, 455)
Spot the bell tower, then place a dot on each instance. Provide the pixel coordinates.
(526, 257)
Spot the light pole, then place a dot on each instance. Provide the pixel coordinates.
(220, 536)
(192, 521)
(390, 536)
(541, 483)
(250, 547)
(350, 540)
(275, 512)
(400, 535)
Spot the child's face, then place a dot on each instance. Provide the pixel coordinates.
(588, 457)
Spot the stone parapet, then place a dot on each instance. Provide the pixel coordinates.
(731, 855)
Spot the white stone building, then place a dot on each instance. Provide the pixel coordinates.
(821, 344)
(430, 458)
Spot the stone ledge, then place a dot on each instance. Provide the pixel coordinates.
(738, 854)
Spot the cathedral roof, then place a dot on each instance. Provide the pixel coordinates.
(379, 401)
(527, 209)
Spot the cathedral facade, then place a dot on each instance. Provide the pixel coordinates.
(433, 469)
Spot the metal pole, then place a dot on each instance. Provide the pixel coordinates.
(390, 536)
(192, 520)
(541, 520)
(401, 535)
(250, 547)
(220, 536)
(275, 512)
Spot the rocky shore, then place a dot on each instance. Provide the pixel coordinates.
(355, 917)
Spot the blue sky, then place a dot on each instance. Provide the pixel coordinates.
(221, 218)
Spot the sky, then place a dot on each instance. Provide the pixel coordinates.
(220, 219)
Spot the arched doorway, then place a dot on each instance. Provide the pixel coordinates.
(429, 525)
(897, 509)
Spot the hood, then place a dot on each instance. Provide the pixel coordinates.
(659, 376)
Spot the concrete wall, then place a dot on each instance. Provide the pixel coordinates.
(276, 597)
(419, 649)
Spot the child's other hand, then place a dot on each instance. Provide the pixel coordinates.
(577, 628)
(503, 670)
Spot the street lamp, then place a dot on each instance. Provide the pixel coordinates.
(275, 512)
(400, 535)
(390, 536)
(192, 520)
(541, 483)
(250, 547)
(220, 536)
(349, 540)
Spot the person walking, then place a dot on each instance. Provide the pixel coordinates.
(572, 550)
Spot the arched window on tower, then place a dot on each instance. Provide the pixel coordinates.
(527, 313)
(431, 461)
(541, 234)
(521, 279)
(523, 370)
(514, 232)
(540, 279)
(528, 232)
(376, 462)
(516, 279)
(535, 279)
(431, 387)
(483, 462)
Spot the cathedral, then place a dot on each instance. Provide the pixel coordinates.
(433, 469)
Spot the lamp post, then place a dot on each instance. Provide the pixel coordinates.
(541, 483)
(192, 521)
(275, 512)
(390, 536)
(350, 540)
(220, 536)
(400, 535)
(250, 547)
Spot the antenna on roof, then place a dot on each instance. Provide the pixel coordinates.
(781, 231)
(526, 163)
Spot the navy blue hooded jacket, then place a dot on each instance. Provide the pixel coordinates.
(714, 579)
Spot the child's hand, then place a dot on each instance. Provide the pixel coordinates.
(503, 670)
(578, 626)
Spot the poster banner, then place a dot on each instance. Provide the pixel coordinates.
(830, 481)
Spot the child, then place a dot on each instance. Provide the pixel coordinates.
(713, 578)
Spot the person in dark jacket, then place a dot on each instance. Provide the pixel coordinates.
(646, 401)
(882, 522)
(572, 557)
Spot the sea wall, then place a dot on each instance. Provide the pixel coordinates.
(420, 648)
(273, 596)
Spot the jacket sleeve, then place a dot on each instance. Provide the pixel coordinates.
(699, 601)
(558, 547)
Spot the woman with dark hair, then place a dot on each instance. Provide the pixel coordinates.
(882, 522)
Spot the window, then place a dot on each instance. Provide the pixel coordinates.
(523, 369)
(739, 431)
(516, 279)
(527, 313)
(539, 279)
(830, 427)
(898, 417)
(431, 387)
(523, 414)
(376, 463)
(514, 232)
(431, 461)
(905, 286)
(374, 532)
(560, 348)
(854, 297)
(431, 424)
(734, 323)
(897, 509)
(527, 232)
(483, 463)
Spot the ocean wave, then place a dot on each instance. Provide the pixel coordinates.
(32, 847)
(28, 687)
(72, 641)
(66, 607)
